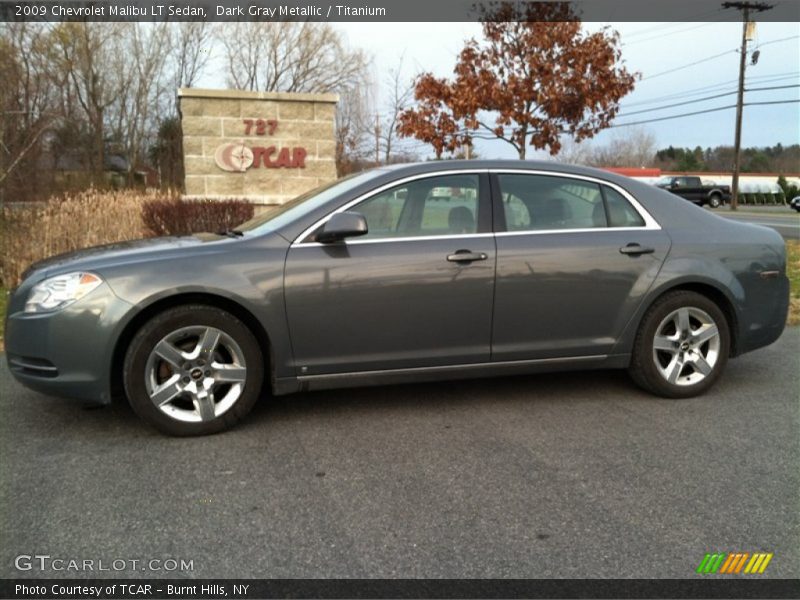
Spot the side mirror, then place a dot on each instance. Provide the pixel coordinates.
(342, 225)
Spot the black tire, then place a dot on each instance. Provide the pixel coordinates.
(644, 369)
(141, 357)
(715, 200)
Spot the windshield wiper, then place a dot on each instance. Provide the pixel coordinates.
(232, 233)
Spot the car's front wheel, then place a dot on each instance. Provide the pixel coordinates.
(682, 346)
(193, 370)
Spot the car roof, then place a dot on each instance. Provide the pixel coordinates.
(532, 165)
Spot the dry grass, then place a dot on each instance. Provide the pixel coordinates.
(793, 271)
(68, 223)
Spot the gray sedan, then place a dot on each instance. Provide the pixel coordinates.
(420, 272)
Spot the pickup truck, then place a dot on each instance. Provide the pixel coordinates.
(692, 189)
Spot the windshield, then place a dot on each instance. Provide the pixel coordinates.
(664, 181)
(279, 216)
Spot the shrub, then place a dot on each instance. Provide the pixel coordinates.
(174, 216)
(789, 190)
(37, 230)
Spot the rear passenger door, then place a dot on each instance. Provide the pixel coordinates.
(575, 257)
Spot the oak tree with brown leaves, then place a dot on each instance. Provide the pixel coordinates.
(535, 76)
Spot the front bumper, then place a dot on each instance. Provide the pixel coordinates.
(66, 353)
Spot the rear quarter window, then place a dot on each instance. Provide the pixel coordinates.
(620, 212)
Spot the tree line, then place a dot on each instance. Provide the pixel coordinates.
(81, 100)
(89, 98)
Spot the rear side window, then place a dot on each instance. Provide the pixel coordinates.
(542, 203)
(620, 212)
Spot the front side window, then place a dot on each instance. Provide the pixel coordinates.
(282, 215)
(444, 205)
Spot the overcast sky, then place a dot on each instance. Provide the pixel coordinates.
(650, 48)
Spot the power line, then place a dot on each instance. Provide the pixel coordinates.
(690, 114)
(657, 37)
(698, 100)
(701, 112)
(657, 108)
(476, 134)
(708, 58)
(774, 87)
(485, 136)
(791, 37)
(686, 66)
(721, 86)
(773, 102)
(661, 26)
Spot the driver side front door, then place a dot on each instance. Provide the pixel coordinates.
(416, 291)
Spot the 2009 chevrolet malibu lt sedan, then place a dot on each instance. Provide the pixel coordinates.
(422, 272)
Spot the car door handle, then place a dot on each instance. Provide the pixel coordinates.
(636, 250)
(466, 256)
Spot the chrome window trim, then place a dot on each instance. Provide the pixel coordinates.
(356, 241)
(650, 223)
(300, 239)
(575, 230)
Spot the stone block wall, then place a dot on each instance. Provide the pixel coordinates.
(266, 147)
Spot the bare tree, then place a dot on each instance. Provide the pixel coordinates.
(148, 48)
(353, 126)
(574, 153)
(399, 94)
(304, 57)
(191, 51)
(94, 59)
(627, 147)
(289, 57)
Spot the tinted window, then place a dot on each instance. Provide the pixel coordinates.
(620, 212)
(446, 205)
(542, 202)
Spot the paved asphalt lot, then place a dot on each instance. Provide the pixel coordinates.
(784, 220)
(566, 475)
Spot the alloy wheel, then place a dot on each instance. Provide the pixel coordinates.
(195, 374)
(686, 346)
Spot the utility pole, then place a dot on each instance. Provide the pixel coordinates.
(745, 7)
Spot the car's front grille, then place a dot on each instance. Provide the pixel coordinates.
(38, 367)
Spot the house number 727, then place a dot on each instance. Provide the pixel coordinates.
(262, 127)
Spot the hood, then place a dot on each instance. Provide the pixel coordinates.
(120, 252)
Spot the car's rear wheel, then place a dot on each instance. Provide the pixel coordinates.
(715, 201)
(193, 370)
(682, 346)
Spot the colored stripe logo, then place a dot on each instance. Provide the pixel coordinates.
(735, 563)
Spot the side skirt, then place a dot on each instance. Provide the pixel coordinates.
(289, 385)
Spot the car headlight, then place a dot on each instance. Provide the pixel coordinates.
(57, 292)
